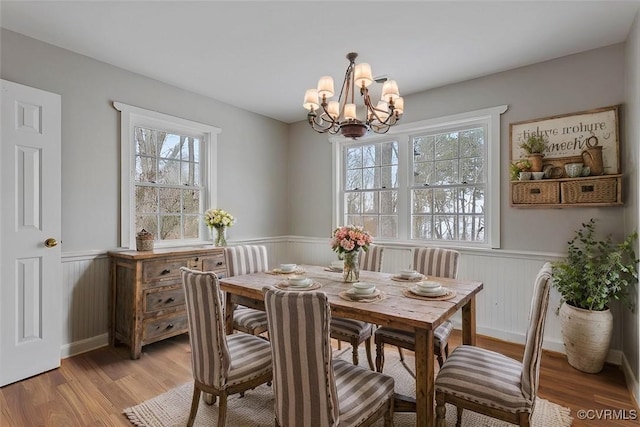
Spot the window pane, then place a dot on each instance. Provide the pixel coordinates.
(472, 143)
(389, 176)
(370, 156)
(472, 200)
(145, 169)
(370, 201)
(190, 174)
(446, 172)
(472, 170)
(169, 200)
(471, 228)
(147, 222)
(170, 227)
(389, 202)
(191, 149)
(423, 173)
(423, 149)
(353, 203)
(444, 200)
(146, 142)
(370, 223)
(354, 157)
(421, 227)
(389, 153)
(169, 172)
(446, 146)
(354, 220)
(170, 146)
(191, 202)
(388, 226)
(146, 199)
(444, 227)
(370, 178)
(191, 223)
(422, 201)
(354, 179)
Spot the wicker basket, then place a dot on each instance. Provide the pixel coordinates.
(590, 190)
(535, 192)
(144, 241)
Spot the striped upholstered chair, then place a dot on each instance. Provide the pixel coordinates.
(493, 384)
(311, 388)
(222, 364)
(434, 262)
(247, 259)
(353, 331)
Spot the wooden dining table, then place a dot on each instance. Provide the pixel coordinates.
(393, 309)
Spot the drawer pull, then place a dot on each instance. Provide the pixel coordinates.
(165, 271)
(170, 300)
(534, 191)
(196, 259)
(219, 263)
(170, 325)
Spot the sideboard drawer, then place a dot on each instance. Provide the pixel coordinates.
(163, 299)
(165, 269)
(165, 327)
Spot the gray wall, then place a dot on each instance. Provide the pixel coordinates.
(252, 149)
(631, 153)
(574, 83)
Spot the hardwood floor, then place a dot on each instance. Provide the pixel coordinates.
(92, 389)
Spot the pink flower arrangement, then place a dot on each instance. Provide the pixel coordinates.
(349, 238)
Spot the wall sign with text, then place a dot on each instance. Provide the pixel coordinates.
(570, 134)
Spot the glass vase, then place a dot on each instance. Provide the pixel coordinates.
(219, 237)
(351, 270)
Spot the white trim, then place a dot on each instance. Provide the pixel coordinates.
(630, 379)
(140, 116)
(78, 347)
(489, 117)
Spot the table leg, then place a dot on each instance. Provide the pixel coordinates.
(425, 390)
(469, 322)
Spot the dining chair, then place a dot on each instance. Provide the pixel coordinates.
(490, 383)
(355, 332)
(435, 262)
(221, 364)
(247, 259)
(310, 388)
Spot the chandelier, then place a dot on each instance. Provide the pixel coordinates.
(340, 116)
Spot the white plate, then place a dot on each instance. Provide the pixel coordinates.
(435, 293)
(303, 284)
(352, 293)
(427, 285)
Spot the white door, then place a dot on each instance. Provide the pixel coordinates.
(30, 224)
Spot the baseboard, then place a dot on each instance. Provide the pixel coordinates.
(632, 382)
(79, 347)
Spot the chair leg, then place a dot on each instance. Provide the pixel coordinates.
(222, 410)
(440, 359)
(195, 400)
(339, 345)
(367, 346)
(400, 353)
(388, 415)
(209, 398)
(354, 350)
(446, 350)
(459, 416)
(441, 410)
(379, 356)
(524, 419)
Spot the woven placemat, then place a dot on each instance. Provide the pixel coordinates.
(347, 297)
(450, 294)
(277, 271)
(285, 286)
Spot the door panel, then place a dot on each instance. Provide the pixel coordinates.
(30, 271)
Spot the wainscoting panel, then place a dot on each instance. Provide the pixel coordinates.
(502, 306)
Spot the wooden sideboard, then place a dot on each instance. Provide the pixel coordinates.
(146, 296)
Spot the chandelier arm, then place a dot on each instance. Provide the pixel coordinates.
(319, 124)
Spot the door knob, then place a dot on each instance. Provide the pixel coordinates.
(50, 242)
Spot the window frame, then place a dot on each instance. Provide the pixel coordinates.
(489, 118)
(132, 117)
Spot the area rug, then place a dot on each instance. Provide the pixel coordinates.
(255, 409)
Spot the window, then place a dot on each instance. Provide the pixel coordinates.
(167, 176)
(432, 181)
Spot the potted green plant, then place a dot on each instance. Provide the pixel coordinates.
(594, 273)
(534, 146)
(522, 165)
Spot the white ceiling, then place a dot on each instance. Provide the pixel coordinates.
(262, 55)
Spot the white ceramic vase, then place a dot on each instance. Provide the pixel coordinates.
(586, 335)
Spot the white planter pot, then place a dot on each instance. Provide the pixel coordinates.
(586, 335)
